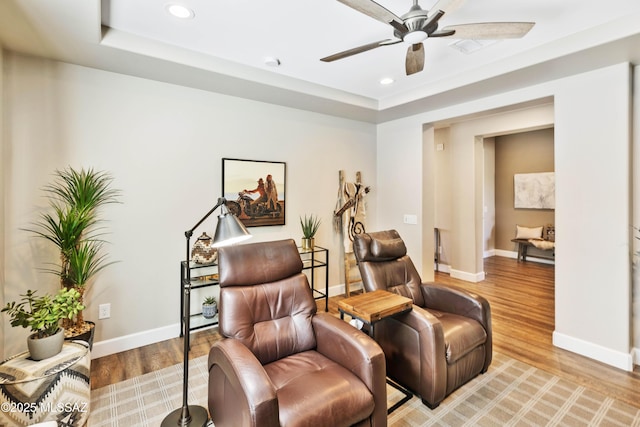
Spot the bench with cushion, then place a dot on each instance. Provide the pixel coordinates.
(542, 238)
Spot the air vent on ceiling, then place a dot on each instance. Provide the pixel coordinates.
(470, 46)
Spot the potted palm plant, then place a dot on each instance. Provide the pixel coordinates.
(42, 315)
(74, 226)
(310, 225)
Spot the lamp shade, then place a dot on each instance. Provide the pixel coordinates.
(229, 230)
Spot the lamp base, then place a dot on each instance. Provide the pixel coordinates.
(199, 417)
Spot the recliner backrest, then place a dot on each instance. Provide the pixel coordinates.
(265, 299)
(384, 264)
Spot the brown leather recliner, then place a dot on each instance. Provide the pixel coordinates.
(444, 341)
(281, 363)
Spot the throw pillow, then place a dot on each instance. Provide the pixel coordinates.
(528, 232)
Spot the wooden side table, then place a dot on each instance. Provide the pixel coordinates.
(53, 389)
(371, 308)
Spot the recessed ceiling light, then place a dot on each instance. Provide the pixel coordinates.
(386, 81)
(179, 11)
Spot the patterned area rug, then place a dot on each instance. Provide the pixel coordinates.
(511, 393)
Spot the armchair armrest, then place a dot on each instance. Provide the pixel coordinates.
(458, 301)
(358, 353)
(245, 385)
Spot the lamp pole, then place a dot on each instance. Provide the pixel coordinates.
(229, 231)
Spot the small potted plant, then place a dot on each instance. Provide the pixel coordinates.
(209, 307)
(42, 314)
(309, 226)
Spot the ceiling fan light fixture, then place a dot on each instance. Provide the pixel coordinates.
(414, 37)
(179, 11)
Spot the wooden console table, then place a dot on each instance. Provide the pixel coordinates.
(371, 308)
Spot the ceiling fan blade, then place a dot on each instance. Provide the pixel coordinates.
(447, 6)
(359, 49)
(490, 30)
(431, 23)
(442, 33)
(415, 59)
(374, 10)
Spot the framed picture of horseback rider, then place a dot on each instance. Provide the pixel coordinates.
(255, 190)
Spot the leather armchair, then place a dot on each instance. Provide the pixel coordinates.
(280, 362)
(444, 341)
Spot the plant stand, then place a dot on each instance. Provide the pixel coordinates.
(39, 386)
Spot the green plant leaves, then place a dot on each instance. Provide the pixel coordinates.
(75, 198)
(43, 314)
(72, 225)
(309, 226)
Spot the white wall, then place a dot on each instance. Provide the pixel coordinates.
(3, 250)
(163, 144)
(593, 168)
(592, 155)
(636, 217)
(400, 184)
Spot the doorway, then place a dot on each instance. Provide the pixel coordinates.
(506, 156)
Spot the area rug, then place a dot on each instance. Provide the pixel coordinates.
(511, 393)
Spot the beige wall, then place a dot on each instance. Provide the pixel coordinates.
(635, 221)
(2, 197)
(163, 144)
(526, 152)
(443, 202)
(489, 196)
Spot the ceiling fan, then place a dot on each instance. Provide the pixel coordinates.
(418, 24)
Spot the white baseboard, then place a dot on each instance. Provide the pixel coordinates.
(152, 336)
(443, 268)
(139, 339)
(594, 351)
(466, 276)
(506, 254)
(636, 356)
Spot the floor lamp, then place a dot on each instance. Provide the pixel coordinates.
(228, 231)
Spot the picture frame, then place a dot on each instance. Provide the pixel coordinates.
(255, 190)
(534, 190)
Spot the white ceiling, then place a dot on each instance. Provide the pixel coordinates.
(224, 46)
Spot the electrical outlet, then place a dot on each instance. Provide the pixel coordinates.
(104, 311)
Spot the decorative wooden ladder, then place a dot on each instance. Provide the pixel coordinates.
(351, 271)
